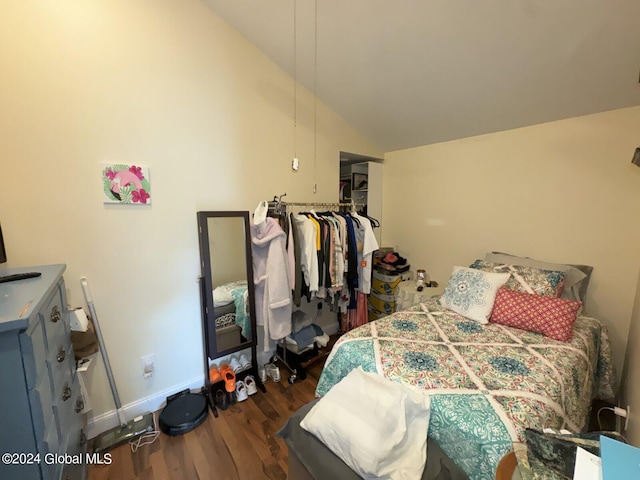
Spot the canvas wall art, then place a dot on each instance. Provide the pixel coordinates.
(123, 183)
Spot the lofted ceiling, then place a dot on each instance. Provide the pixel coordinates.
(413, 72)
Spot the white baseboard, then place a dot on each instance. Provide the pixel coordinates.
(105, 421)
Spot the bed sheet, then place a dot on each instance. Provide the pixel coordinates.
(239, 291)
(487, 382)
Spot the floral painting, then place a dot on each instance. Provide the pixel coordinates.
(126, 184)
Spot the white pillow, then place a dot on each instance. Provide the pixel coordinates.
(376, 426)
(471, 292)
(222, 296)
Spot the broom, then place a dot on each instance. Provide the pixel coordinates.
(125, 431)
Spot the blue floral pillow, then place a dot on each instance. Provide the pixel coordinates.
(471, 292)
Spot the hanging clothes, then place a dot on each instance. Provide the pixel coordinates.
(271, 277)
(330, 257)
(367, 244)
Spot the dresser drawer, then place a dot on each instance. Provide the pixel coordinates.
(61, 362)
(69, 416)
(55, 319)
(51, 446)
(75, 441)
(41, 404)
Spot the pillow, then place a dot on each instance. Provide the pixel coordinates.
(221, 296)
(542, 282)
(471, 292)
(376, 426)
(576, 282)
(550, 316)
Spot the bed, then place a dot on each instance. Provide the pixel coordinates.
(231, 306)
(487, 383)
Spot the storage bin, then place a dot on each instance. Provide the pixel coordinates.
(382, 305)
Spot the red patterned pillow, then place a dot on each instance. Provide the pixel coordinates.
(550, 316)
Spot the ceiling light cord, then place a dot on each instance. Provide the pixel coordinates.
(315, 95)
(295, 83)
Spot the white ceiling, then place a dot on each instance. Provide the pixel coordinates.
(413, 72)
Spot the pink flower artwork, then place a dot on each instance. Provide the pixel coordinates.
(125, 183)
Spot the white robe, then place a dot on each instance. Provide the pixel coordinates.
(271, 277)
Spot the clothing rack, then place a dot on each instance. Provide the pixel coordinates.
(323, 205)
(277, 202)
(279, 207)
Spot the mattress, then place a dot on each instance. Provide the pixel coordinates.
(487, 383)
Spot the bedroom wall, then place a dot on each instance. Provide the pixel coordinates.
(169, 85)
(563, 191)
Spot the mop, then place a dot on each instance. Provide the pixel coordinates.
(126, 431)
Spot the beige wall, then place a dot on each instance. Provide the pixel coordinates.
(564, 191)
(164, 84)
(631, 375)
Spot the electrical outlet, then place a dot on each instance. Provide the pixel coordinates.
(148, 365)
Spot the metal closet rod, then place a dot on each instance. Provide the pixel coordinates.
(320, 204)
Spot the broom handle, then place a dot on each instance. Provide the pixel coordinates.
(103, 349)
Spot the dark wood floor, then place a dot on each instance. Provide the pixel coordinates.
(239, 444)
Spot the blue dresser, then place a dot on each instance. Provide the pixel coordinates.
(41, 434)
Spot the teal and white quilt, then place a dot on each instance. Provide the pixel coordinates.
(487, 382)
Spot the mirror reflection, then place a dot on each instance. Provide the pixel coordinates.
(227, 282)
(229, 286)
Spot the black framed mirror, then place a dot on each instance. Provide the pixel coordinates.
(228, 289)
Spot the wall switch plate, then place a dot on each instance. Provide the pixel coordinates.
(148, 365)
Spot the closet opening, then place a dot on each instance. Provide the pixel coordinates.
(361, 182)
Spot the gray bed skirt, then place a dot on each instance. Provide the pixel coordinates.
(310, 459)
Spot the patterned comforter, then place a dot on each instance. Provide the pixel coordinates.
(487, 382)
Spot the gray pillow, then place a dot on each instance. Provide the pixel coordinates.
(576, 281)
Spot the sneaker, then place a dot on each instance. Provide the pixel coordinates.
(250, 383)
(262, 373)
(235, 365)
(241, 391)
(229, 378)
(214, 375)
(273, 371)
(245, 364)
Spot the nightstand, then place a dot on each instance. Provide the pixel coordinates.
(407, 294)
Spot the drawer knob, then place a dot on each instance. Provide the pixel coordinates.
(66, 392)
(79, 405)
(55, 314)
(61, 354)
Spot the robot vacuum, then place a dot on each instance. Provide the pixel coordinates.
(184, 412)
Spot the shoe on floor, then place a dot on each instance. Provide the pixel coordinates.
(245, 364)
(229, 377)
(250, 383)
(272, 371)
(262, 373)
(214, 374)
(221, 400)
(241, 391)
